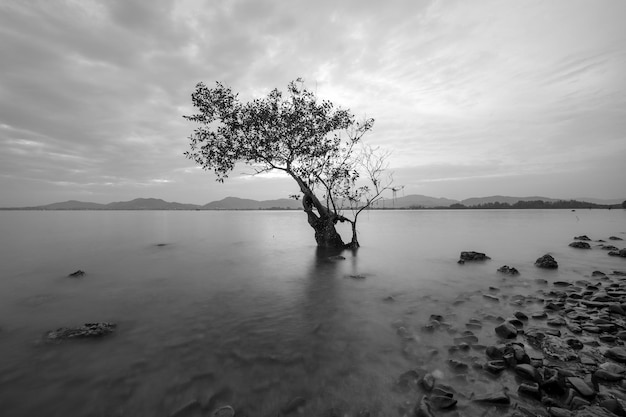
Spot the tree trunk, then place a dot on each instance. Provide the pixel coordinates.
(354, 244)
(324, 225)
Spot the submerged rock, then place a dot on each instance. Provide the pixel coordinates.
(546, 261)
(471, 256)
(621, 253)
(85, 331)
(505, 269)
(77, 274)
(580, 245)
(615, 238)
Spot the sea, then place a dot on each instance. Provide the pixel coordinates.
(240, 308)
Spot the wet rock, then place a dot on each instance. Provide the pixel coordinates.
(506, 330)
(580, 245)
(539, 315)
(457, 366)
(491, 298)
(598, 274)
(521, 315)
(574, 343)
(442, 402)
(616, 353)
(527, 371)
(556, 321)
(582, 237)
(547, 262)
(77, 274)
(562, 284)
(225, 411)
(581, 387)
(496, 366)
(296, 404)
(559, 412)
(496, 398)
(621, 253)
(613, 406)
(615, 238)
(603, 375)
(88, 330)
(422, 409)
(428, 382)
(505, 269)
(609, 247)
(471, 256)
(530, 389)
(552, 383)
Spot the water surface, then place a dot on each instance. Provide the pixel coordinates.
(241, 308)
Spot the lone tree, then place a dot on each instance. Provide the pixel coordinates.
(316, 144)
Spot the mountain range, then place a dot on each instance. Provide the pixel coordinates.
(234, 203)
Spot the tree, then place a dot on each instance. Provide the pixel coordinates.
(316, 144)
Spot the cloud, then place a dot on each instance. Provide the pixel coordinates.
(92, 93)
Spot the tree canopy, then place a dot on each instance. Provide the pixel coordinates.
(312, 141)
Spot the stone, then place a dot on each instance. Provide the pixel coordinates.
(616, 353)
(442, 402)
(497, 398)
(547, 262)
(621, 253)
(559, 412)
(530, 389)
(582, 237)
(615, 238)
(471, 256)
(77, 274)
(520, 315)
(528, 372)
(428, 382)
(505, 269)
(491, 298)
(506, 330)
(603, 375)
(580, 245)
(422, 408)
(225, 411)
(88, 330)
(598, 274)
(581, 387)
(457, 366)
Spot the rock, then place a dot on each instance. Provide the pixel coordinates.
(225, 411)
(528, 372)
(85, 331)
(556, 321)
(422, 408)
(581, 387)
(521, 315)
(505, 269)
(603, 375)
(616, 353)
(428, 382)
(609, 247)
(582, 237)
(621, 253)
(497, 398)
(77, 274)
(472, 256)
(296, 404)
(506, 330)
(530, 389)
(457, 366)
(615, 238)
(491, 298)
(546, 261)
(559, 412)
(336, 258)
(442, 402)
(580, 245)
(598, 274)
(495, 367)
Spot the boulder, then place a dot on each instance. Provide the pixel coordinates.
(621, 253)
(86, 331)
(505, 269)
(546, 261)
(471, 256)
(580, 245)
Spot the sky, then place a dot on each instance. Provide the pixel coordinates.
(472, 99)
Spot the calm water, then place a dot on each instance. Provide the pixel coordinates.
(240, 308)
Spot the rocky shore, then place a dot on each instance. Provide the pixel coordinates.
(561, 354)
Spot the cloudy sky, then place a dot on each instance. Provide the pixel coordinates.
(473, 98)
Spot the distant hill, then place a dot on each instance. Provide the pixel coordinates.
(234, 203)
(72, 205)
(416, 200)
(502, 199)
(149, 204)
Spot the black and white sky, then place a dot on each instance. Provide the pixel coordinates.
(473, 98)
